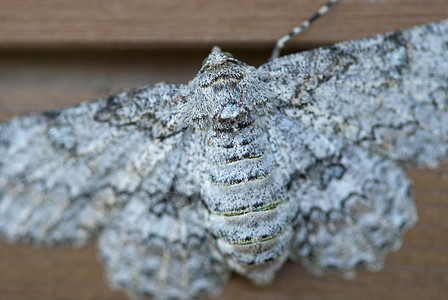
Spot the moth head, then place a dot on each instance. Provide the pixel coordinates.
(225, 90)
(216, 55)
(220, 66)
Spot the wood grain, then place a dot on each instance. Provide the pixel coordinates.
(175, 23)
(125, 44)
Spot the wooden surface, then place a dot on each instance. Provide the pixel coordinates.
(132, 43)
(142, 23)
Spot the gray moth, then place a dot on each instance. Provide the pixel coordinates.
(240, 169)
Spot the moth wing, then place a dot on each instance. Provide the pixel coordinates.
(356, 218)
(65, 173)
(353, 206)
(162, 251)
(387, 93)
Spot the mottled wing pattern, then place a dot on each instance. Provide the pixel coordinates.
(387, 93)
(119, 167)
(353, 205)
(63, 174)
(163, 252)
(365, 208)
(348, 111)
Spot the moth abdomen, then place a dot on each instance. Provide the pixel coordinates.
(236, 169)
(224, 140)
(248, 211)
(255, 243)
(243, 162)
(257, 207)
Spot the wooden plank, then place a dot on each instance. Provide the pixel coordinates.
(200, 23)
(41, 80)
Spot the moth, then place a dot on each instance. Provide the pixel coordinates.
(240, 169)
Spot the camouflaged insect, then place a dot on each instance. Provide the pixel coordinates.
(240, 169)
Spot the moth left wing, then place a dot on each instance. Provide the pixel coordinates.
(65, 173)
(387, 93)
(162, 251)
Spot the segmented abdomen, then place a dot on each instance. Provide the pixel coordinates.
(246, 204)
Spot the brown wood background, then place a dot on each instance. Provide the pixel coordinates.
(55, 53)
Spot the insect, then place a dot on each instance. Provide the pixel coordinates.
(238, 170)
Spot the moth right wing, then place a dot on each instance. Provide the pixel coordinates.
(387, 93)
(65, 173)
(353, 211)
(353, 206)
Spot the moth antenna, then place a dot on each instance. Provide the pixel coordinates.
(299, 29)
